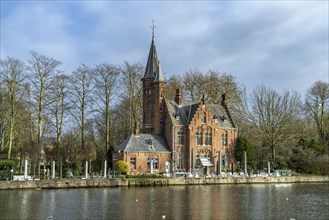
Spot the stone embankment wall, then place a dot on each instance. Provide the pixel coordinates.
(131, 182)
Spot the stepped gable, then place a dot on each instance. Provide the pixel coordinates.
(144, 143)
(176, 113)
(220, 113)
(191, 109)
(181, 114)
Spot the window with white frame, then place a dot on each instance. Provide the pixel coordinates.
(198, 136)
(208, 140)
(154, 162)
(180, 137)
(180, 160)
(133, 163)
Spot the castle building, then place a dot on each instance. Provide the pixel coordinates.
(177, 137)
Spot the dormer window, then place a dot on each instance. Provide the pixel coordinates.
(150, 145)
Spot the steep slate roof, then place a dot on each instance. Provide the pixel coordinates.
(153, 69)
(159, 75)
(144, 143)
(182, 115)
(221, 116)
(152, 62)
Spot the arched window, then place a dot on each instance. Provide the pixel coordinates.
(198, 136)
(208, 138)
(224, 139)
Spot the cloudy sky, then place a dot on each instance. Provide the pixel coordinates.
(283, 45)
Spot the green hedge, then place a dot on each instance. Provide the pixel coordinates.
(8, 164)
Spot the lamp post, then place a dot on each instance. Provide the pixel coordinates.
(11, 174)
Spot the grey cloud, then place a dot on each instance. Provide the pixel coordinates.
(258, 42)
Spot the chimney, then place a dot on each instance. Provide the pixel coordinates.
(202, 99)
(136, 132)
(178, 97)
(224, 99)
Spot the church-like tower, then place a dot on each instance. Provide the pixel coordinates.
(153, 93)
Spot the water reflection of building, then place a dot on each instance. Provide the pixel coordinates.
(177, 136)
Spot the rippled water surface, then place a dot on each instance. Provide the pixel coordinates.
(259, 201)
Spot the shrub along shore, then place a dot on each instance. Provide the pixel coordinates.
(133, 182)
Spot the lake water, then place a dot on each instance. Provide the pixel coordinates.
(258, 201)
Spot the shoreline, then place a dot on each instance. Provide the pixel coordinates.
(138, 182)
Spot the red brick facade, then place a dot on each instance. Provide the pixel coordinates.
(192, 135)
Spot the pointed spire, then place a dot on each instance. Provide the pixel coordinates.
(152, 61)
(159, 75)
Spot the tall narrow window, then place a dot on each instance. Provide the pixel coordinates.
(180, 137)
(133, 163)
(198, 136)
(204, 118)
(224, 139)
(150, 105)
(208, 138)
(180, 160)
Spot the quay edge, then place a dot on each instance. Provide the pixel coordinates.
(135, 182)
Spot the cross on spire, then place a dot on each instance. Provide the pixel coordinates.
(153, 27)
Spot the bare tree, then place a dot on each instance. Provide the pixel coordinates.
(218, 84)
(317, 106)
(273, 116)
(212, 85)
(12, 74)
(174, 82)
(194, 85)
(82, 84)
(131, 76)
(41, 70)
(59, 103)
(3, 118)
(106, 77)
